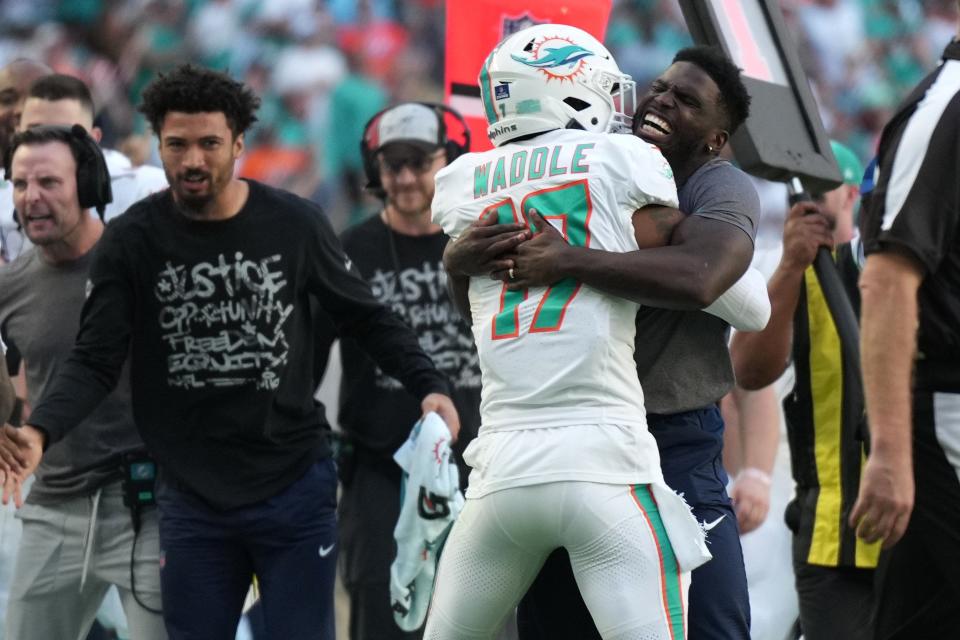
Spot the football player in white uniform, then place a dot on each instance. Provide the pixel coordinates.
(563, 458)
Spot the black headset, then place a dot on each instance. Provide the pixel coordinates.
(452, 148)
(93, 178)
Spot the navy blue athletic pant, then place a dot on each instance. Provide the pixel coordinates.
(690, 446)
(208, 558)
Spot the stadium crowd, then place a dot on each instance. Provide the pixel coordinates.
(323, 68)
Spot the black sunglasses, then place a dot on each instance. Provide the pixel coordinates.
(418, 162)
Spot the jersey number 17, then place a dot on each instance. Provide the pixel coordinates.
(570, 204)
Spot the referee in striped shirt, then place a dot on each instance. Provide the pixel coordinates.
(910, 337)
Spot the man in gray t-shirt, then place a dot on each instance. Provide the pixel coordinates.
(40, 304)
(77, 536)
(689, 112)
(682, 356)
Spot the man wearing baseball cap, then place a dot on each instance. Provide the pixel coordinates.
(399, 252)
(824, 413)
(843, 203)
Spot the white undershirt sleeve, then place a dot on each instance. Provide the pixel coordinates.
(745, 305)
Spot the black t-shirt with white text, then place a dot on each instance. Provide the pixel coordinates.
(406, 274)
(219, 322)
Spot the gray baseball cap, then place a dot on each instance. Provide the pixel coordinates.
(410, 123)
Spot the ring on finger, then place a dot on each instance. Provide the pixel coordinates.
(511, 274)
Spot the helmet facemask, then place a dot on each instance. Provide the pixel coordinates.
(614, 104)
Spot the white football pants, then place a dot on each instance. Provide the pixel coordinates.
(621, 556)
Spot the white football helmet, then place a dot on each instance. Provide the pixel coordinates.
(553, 76)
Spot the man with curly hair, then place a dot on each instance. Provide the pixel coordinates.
(212, 287)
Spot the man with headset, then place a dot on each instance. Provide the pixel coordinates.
(58, 99)
(399, 252)
(77, 540)
(53, 98)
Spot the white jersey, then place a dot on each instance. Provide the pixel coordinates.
(559, 356)
(128, 184)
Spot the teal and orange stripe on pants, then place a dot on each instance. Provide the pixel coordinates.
(672, 589)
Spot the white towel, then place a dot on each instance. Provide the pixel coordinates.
(687, 536)
(430, 500)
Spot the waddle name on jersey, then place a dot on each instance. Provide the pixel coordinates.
(528, 164)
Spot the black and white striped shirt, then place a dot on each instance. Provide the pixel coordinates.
(915, 206)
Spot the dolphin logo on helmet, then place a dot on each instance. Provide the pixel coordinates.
(557, 57)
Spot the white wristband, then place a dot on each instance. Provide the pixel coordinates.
(757, 474)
